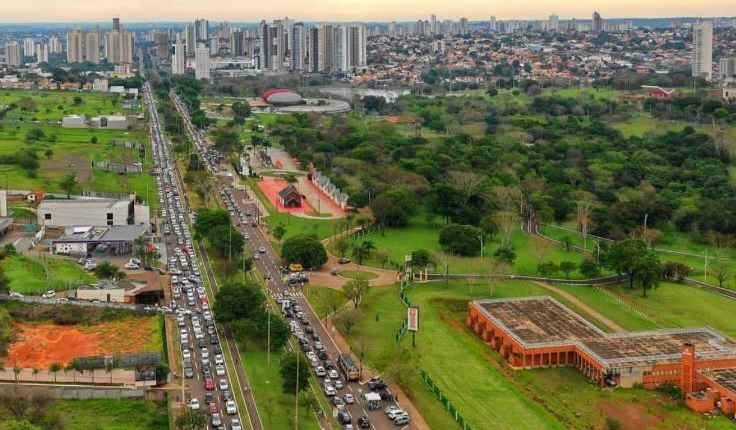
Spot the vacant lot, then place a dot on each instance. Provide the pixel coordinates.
(62, 151)
(36, 275)
(54, 105)
(122, 414)
(39, 345)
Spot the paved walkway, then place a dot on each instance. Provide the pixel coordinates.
(583, 307)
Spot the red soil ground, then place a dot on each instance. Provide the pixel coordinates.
(271, 188)
(40, 345)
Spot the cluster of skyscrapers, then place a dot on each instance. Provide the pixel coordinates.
(16, 52)
(282, 45)
(116, 46)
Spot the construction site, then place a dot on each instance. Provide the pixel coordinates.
(538, 332)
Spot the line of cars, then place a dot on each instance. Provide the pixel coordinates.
(202, 357)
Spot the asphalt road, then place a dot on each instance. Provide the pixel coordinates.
(191, 295)
(246, 213)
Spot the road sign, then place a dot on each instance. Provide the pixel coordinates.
(412, 318)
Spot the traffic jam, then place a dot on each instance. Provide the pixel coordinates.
(203, 362)
(367, 406)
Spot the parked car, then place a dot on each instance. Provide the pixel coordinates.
(194, 404)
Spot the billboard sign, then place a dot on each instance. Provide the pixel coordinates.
(412, 318)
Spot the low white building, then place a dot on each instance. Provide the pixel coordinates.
(94, 212)
(101, 85)
(83, 240)
(113, 122)
(729, 95)
(74, 121)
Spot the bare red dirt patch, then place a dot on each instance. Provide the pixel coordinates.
(271, 188)
(629, 415)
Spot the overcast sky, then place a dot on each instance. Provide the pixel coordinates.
(346, 10)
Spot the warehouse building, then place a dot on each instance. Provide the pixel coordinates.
(541, 332)
(94, 212)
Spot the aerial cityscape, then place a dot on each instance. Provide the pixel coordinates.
(344, 215)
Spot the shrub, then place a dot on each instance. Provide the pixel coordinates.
(461, 240)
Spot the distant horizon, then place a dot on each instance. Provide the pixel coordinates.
(371, 21)
(142, 11)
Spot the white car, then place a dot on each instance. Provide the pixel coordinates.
(330, 390)
(349, 399)
(50, 294)
(230, 408)
(131, 266)
(220, 370)
(223, 384)
(218, 359)
(194, 404)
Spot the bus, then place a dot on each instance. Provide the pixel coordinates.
(345, 361)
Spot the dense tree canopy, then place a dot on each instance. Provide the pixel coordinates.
(306, 250)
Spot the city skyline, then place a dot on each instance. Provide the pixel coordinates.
(347, 10)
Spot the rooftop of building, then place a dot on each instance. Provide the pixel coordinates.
(723, 377)
(115, 233)
(64, 203)
(537, 322)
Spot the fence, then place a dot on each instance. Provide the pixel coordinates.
(404, 297)
(449, 407)
(580, 282)
(64, 376)
(73, 392)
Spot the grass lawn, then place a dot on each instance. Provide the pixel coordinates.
(501, 398)
(643, 122)
(422, 235)
(322, 299)
(119, 414)
(275, 407)
(28, 275)
(358, 274)
(491, 401)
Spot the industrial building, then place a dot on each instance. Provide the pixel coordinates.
(83, 240)
(541, 332)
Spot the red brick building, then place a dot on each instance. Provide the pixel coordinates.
(541, 332)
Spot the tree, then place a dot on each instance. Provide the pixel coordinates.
(567, 267)
(207, 219)
(355, 290)
(240, 112)
(226, 240)
(505, 254)
(191, 419)
(4, 282)
(461, 240)
(675, 271)
(69, 183)
(342, 245)
(648, 272)
(107, 270)
(239, 301)
(394, 208)
(547, 270)
(34, 135)
(306, 250)
(625, 257)
(279, 231)
(227, 140)
(589, 269)
(721, 270)
(363, 250)
(422, 258)
(294, 368)
(55, 368)
(6, 329)
(76, 101)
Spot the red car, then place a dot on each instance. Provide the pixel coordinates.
(209, 384)
(213, 408)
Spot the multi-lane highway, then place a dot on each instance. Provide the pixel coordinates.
(208, 384)
(351, 406)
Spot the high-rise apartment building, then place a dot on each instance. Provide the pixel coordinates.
(326, 42)
(492, 26)
(29, 47)
(14, 54)
(265, 52)
(298, 43)
(553, 23)
(161, 42)
(55, 46)
(202, 62)
(279, 32)
(727, 70)
(82, 46)
(313, 50)
(463, 25)
(434, 28)
(703, 49)
(237, 43)
(42, 52)
(597, 25)
(190, 40)
(91, 47)
(201, 31)
(179, 58)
